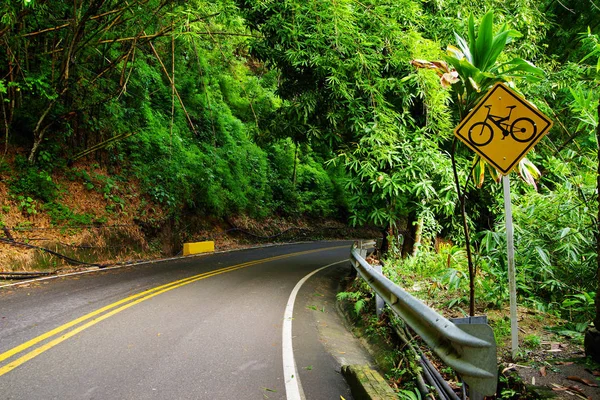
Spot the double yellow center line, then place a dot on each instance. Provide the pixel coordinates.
(108, 311)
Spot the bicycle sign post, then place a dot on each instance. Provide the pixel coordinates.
(502, 128)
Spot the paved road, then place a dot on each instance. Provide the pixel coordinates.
(198, 328)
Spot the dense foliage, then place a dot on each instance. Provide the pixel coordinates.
(316, 109)
(346, 79)
(161, 91)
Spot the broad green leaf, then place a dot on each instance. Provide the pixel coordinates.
(464, 47)
(484, 40)
(471, 30)
(498, 44)
(520, 65)
(474, 84)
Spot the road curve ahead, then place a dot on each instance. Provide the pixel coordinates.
(224, 326)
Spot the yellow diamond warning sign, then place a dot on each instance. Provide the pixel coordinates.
(503, 127)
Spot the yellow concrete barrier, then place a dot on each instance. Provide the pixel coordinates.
(198, 247)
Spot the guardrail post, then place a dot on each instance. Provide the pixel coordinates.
(362, 250)
(475, 320)
(379, 302)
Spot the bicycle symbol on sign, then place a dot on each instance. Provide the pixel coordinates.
(521, 129)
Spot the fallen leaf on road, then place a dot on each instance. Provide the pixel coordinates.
(579, 393)
(595, 373)
(564, 363)
(572, 390)
(543, 371)
(582, 380)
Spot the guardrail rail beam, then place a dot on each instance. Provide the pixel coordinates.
(469, 348)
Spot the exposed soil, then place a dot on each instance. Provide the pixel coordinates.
(109, 221)
(562, 378)
(549, 365)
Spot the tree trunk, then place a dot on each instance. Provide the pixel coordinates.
(294, 172)
(463, 212)
(418, 237)
(592, 336)
(597, 232)
(38, 132)
(385, 242)
(5, 120)
(408, 235)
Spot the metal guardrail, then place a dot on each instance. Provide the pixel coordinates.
(469, 347)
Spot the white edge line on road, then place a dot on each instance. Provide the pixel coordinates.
(159, 260)
(290, 372)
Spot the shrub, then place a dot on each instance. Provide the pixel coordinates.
(31, 181)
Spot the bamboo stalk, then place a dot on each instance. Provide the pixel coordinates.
(101, 145)
(56, 28)
(109, 67)
(122, 77)
(5, 124)
(38, 132)
(59, 27)
(212, 119)
(124, 85)
(176, 91)
(118, 40)
(125, 39)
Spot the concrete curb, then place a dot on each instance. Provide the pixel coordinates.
(366, 383)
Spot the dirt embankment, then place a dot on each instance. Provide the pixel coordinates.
(97, 219)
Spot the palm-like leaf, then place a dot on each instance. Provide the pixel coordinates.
(483, 43)
(475, 62)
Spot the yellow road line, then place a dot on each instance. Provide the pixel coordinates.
(70, 324)
(131, 301)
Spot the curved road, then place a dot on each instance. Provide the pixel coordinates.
(209, 327)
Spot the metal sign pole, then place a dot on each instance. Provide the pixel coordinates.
(480, 130)
(512, 283)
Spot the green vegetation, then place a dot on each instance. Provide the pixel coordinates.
(102, 87)
(331, 109)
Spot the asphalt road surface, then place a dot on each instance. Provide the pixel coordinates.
(209, 327)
